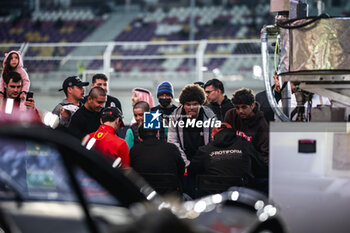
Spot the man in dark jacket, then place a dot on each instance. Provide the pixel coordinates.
(229, 156)
(248, 121)
(165, 95)
(87, 118)
(156, 156)
(218, 102)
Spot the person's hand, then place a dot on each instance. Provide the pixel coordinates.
(64, 112)
(1, 95)
(30, 103)
(22, 96)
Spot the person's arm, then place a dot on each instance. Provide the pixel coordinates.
(180, 164)
(259, 166)
(76, 126)
(263, 141)
(124, 154)
(197, 162)
(56, 110)
(25, 80)
(119, 105)
(129, 138)
(229, 117)
(173, 138)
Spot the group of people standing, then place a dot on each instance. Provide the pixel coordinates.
(207, 134)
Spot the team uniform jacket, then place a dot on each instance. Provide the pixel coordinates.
(110, 144)
(229, 155)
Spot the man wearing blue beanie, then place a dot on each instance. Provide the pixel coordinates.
(165, 94)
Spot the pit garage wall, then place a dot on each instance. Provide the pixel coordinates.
(311, 189)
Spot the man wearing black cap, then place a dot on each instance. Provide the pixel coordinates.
(73, 88)
(105, 139)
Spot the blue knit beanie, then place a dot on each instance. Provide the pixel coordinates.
(165, 87)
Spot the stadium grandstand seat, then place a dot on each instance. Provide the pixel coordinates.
(57, 26)
(212, 23)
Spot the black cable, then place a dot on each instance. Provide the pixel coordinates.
(313, 19)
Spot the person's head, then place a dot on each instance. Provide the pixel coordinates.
(13, 84)
(138, 109)
(112, 116)
(214, 90)
(141, 94)
(100, 80)
(12, 61)
(147, 133)
(96, 99)
(73, 88)
(192, 97)
(165, 92)
(224, 125)
(244, 102)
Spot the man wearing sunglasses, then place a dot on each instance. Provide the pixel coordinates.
(248, 121)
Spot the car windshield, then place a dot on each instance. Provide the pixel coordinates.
(35, 171)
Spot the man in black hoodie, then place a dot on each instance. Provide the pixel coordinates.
(248, 121)
(229, 156)
(218, 102)
(156, 156)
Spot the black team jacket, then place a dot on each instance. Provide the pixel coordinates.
(229, 155)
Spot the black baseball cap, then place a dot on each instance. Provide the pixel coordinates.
(111, 114)
(73, 81)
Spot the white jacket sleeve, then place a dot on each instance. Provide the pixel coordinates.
(173, 138)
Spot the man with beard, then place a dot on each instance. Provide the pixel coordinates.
(248, 121)
(73, 88)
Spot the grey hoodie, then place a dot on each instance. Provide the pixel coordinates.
(175, 133)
